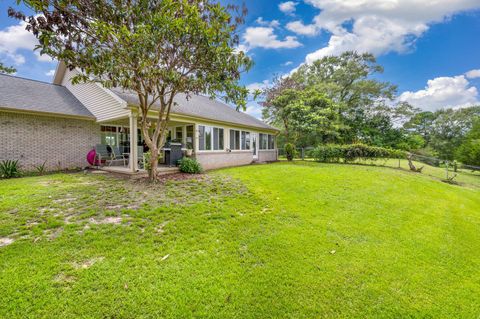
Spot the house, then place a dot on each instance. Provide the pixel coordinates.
(59, 123)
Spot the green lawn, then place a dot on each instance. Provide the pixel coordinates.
(301, 240)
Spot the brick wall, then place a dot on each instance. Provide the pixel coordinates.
(63, 143)
(267, 155)
(212, 160)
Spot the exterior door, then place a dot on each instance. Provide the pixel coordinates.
(255, 145)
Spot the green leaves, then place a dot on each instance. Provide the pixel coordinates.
(6, 69)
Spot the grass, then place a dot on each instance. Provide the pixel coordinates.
(296, 240)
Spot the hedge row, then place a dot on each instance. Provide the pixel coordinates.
(333, 153)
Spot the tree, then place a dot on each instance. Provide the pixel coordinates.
(304, 114)
(156, 49)
(6, 69)
(469, 151)
(449, 129)
(347, 80)
(421, 123)
(277, 97)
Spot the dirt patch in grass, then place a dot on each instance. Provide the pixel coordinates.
(62, 278)
(106, 220)
(5, 241)
(85, 264)
(85, 200)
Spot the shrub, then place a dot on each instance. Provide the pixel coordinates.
(289, 151)
(190, 166)
(333, 153)
(41, 169)
(9, 169)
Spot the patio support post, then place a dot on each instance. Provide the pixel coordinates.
(133, 159)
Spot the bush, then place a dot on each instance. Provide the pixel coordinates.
(333, 153)
(9, 169)
(190, 166)
(289, 151)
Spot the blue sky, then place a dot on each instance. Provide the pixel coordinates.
(429, 48)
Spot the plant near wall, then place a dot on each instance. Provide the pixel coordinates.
(190, 166)
(290, 151)
(156, 49)
(41, 169)
(9, 169)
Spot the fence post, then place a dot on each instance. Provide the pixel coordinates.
(303, 154)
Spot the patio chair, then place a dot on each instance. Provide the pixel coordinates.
(102, 154)
(117, 156)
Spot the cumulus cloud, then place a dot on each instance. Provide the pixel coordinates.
(287, 7)
(50, 72)
(299, 28)
(264, 37)
(15, 38)
(376, 26)
(443, 92)
(473, 74)
(252, 87)
(273, 23)
(254, 109)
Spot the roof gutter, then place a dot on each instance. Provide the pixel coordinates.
(30, 112)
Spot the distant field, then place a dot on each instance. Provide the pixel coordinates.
(284, 240)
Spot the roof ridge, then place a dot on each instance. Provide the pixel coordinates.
(27, 79)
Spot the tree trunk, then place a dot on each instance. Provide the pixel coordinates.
(413, 168)
(152, 174)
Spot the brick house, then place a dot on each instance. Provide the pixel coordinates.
(59, 123)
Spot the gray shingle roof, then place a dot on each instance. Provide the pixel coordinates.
(30, 95)
(204, 107)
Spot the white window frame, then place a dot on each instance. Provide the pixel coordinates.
(267, 144)
(212, 144)
(240, 140)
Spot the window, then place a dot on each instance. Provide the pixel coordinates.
(267, 142)
(210, 138)
(245, 140)
(189, 140)
(271, 142)
(234, 140)
(108, 135)
(239, 140)
(217, 138)
(263, 141)
(179, 134)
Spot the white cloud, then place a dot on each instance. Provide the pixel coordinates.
(252, 87)
(43, 57)
(264, 37)
(50, 72)
(376, 26)
(288, 63)
(473, 74)
(273, 23)
(254, 109)
(299, 28)
(287, 7)
(443, 92)
(15, 38)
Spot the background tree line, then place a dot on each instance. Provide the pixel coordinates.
(337, 99)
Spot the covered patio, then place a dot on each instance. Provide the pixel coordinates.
(129, 148)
